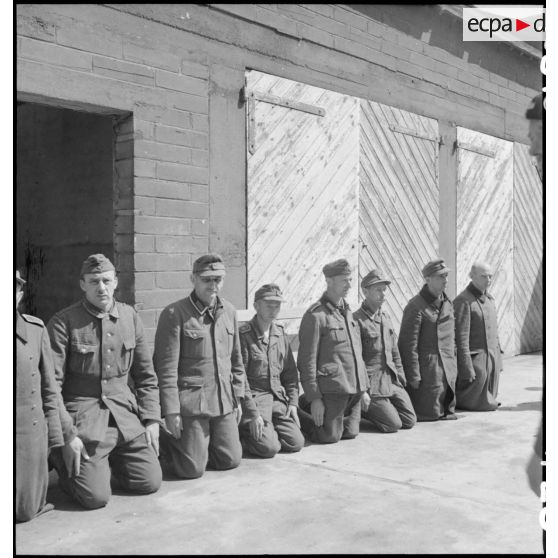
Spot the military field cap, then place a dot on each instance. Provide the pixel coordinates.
(338, 267)
(373, 278)
(20, 280)
(96, 263)
(209, 265)
(271, 291)
(535, 109)
(435, 267)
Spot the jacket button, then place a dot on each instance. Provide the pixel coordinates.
(103, 396)
(82, 351)
(109, 334)
(34, 423)
(104, 381)
(33, 407)
(108, 366)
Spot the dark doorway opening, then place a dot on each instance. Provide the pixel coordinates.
(64, 200)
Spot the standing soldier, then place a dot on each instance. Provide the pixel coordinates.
(271, 399)
(201, 376)
(427, 347)
(479, 359)
(38, 427)
(390, 407)
(98, 344)
(332, 371)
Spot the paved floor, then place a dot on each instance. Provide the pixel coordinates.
(448, 487)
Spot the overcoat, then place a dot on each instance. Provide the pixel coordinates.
(270, 369)
(330, 352)
(427, 348)
(198, 360)
(478, 350)
(97, 356)
(38, 426)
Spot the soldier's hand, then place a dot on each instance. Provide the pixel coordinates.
(256, 428)
(317, 408)
(414, 383)
(365, 401)
(173, 422)
(472, 377)
(238, 412)
(152, 434)
(72, 453)
(292, 412)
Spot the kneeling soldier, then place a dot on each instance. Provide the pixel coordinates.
(332, 372)
(390, 407)
(97, 344)
(271, 399)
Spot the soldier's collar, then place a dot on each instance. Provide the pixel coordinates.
(21, 329)
(258, 332)
(477, 292)
(429, 297)
(372, 315)
(201, 308)
(343, 305)
(97, 312)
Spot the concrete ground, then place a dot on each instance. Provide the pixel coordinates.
(445, 487)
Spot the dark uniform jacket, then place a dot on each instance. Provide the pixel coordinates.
(197, 358)
(478, 348)
(94, 355)
(269, 368)
(330, 351)
(37, 394)
(379, 351)
(427, 340)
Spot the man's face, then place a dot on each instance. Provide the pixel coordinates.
(207, 287)
(481, 277)
(339, 285)
(437, 283)
(267, 310)
(375, 295)
(99, 288)
(536, 139)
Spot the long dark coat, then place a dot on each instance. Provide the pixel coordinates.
(38, 425)
(478, 350)
(427, 348)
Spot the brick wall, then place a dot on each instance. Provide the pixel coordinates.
(178, 70)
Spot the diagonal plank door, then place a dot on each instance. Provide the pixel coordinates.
(398, 198)
(528, 251)
(485, 220)
(302, 191)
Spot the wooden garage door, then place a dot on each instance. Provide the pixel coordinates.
(527, 235)
(302, 191)
(485, 220)
(398, 198)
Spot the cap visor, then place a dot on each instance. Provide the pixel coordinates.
(212, 273)
(272, 297)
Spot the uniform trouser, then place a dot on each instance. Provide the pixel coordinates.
(341, 418)
(280, 432)
(389, 414)
(134, 464)
(31, 473)
(205, 441)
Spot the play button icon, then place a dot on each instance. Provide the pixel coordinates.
(520, 24)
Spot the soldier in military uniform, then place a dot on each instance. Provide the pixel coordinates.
(427, 347)
(390, 408)
(38, 427)
(201, 376)
(97, 344)
(270, 420)
(332, 372)
(479, 358)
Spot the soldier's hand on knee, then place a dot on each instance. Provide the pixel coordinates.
(292, 412)
(72, 453)
(152, 434)
(173, 423)
(317, 408)
(238, 412)
(414, 383)
(472, 377)
(256, 427)
(365, 401)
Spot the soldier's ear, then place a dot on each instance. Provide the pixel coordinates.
(82, 284)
